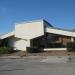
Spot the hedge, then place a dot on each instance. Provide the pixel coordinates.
(5, 50)
(71, 46)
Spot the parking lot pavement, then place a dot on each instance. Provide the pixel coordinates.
(35, 66)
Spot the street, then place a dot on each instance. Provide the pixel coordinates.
(34, 66)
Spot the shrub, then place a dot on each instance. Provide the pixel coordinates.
(71, 46)
(5, 50)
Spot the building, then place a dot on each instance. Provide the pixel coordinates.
(37, 34)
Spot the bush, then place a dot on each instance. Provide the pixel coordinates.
(71, 46)
(5, 50)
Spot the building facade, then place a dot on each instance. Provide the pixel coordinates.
(37, 34)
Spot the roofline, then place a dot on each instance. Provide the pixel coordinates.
(37, 20)
(63, 29)
(60, 31)
(7, 35)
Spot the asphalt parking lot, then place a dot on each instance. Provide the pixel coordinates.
(36, 66)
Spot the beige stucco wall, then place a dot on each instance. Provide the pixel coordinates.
(29, 30)
(60, 32)
(21, 44)
(25, 32)
(18, 44)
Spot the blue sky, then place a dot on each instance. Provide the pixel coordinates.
(60, 13)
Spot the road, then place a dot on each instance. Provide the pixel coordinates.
(34, 66)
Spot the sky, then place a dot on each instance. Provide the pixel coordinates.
(60, 13)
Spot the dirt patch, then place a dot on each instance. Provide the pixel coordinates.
(52, 53)
(46, 53)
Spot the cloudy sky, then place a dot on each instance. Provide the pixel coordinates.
(60, 13)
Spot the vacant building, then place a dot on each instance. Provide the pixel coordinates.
(38, 34)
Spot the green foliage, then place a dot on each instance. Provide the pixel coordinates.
(5, 50)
